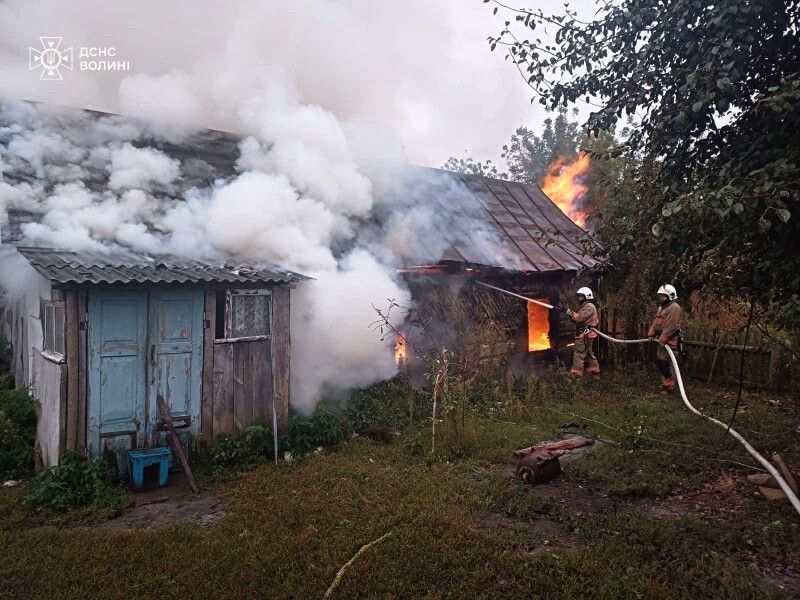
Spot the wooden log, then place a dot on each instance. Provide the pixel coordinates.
(175, 441)
(773, 495)
(570, 443)
(787, 474)
(763, 480)
(539, 466)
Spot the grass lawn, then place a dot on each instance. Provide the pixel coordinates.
(660, 511)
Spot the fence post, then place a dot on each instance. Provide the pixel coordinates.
(716, 354)
(774, 364)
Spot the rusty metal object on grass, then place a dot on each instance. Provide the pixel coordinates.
(540, 464)
(538, 467)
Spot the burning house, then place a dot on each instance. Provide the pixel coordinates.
(99, 334)
(136, 266)
(513, 236)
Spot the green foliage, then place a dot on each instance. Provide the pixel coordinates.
(470, 166)
(463, 528)
(715, 91)
(75, 483)
(241, 450)
(17, 433)
(385, 404)
(5, 363)
(324, 427)
(528, 155)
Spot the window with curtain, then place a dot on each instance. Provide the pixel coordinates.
(248, 313)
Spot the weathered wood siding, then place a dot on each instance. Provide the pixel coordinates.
(49, 383)
(240, 380)
(242, 385)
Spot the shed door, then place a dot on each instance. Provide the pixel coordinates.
(176, 357)
(117, 391)
(140, 345)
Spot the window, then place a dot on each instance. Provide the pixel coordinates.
(53, 326)
(247, 313)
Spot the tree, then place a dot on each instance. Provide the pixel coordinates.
(715, 93)
(470, 166)
(529, 155)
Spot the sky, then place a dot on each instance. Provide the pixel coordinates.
(418, 70)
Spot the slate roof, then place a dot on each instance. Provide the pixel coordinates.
(62, 267)
(532, 232)
(529, 232)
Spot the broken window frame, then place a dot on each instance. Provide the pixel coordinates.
(53, 317)
(232, 333)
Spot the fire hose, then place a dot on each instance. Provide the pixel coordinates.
(785, 487)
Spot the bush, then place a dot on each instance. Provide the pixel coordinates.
(76, 482)
(385, 404)
(241, 450)
(17, 433)
(323, 427)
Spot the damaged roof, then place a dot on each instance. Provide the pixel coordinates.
(532, 233)
(61, 267)
(478, 220)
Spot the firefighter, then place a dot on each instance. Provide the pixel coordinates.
(585, 318)
(666, 328)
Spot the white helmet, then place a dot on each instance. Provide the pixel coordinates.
(669, 291)
(586, 292)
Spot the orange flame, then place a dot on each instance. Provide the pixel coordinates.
(538, 327)
(563, 186)
(400, 350)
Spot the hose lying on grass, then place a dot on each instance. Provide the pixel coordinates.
(752, 451)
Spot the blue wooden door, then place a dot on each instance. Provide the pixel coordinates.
(176, 357)
(117, 370)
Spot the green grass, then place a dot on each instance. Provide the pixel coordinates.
(289, 529)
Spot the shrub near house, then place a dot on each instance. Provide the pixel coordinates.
(17, 431)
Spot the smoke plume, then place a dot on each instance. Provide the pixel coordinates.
(321, 186)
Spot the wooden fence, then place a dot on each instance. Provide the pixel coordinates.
(710, 353)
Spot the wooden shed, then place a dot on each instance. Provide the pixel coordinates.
(111, 333)
(510, 235)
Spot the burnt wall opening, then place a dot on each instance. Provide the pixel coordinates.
(451, 309)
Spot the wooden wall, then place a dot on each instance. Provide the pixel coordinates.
(49, 380)
(238, 382)
(241, 379)
(75, 408)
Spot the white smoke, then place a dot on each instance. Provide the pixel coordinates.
(312, 86)
(140, 167)
(296, 198)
